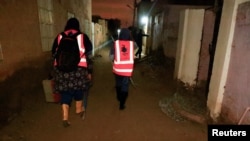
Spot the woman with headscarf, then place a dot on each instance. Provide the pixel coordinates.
(74, 84)
(122, 55)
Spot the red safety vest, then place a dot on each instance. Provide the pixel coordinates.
(83, 61)
(123, 58)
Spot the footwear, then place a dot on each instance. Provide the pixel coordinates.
(124, 96)
(122, 107)
(82, 115)
(66, 123)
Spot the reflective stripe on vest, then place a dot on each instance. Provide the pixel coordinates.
(123, 58)
(83, 61)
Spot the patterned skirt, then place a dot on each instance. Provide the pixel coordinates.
(71, 80)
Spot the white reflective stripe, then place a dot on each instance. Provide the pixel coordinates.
(60, 36)
(123, 70)
(83, 59)
(124, 62)
(131, 51)
(59, 39)
(80, 43)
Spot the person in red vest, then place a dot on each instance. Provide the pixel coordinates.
(73, 85)
(122, 56)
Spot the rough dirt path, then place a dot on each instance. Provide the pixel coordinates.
(142, 120)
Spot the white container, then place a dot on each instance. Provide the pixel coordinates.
(50, 96)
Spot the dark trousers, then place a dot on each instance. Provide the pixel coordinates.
(122, 86)
(139, 51)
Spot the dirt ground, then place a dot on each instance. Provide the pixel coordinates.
(31, 118)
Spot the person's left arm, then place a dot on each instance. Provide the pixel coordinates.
(145, 35)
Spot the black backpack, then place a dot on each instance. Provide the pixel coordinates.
(68, 54)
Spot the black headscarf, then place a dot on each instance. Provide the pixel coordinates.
(125, 34)
(72, 23)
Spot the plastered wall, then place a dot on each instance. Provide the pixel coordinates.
(20, 33)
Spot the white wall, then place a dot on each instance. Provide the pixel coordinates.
(222, 57)
(188, 46)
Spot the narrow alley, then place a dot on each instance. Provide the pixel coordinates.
(142, 120)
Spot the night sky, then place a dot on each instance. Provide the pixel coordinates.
(116, 9)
